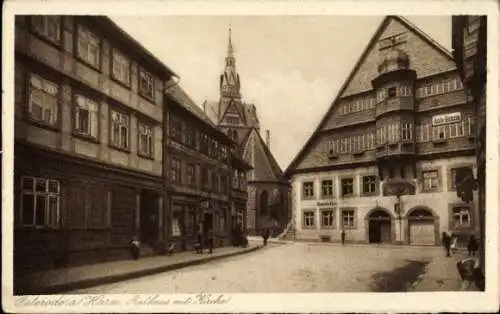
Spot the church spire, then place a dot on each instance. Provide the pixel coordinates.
(230, 51)
(230, 80)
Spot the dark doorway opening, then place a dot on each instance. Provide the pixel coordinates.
(379, 227)
(148, 216)
(208, 222)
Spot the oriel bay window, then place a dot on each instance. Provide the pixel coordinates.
(88, 47)
(146, 84)
(120, 67)
(120, 126)
(43, 100)
(86, 117)
(145, 139)
(40, 199)
(48, 26)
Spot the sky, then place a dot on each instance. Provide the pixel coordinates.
(291, 67)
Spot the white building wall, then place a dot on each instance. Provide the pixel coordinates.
(439, 202)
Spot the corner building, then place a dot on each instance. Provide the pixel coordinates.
(381, 163)
(88, 141)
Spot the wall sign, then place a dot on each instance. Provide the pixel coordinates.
(326, 204)
(446, 118)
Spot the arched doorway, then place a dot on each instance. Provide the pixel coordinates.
(379, 227)
(421, 227)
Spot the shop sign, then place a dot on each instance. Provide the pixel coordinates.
(322, 204)
(448, 118)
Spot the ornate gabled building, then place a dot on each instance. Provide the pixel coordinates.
(381, 164)
(268, 191)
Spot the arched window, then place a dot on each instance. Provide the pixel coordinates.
(264, 203)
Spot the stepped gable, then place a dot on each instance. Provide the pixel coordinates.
(426, 57)
(257, 154)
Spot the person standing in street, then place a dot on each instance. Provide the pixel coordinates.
(472, 245)
(265, 235)
(446, 241)
(342, 236)
(210, 239)
(199, 241)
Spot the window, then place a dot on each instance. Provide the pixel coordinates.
(43, 104)
(405, 91)
(40, 199)
(145, 139)
(175, 128)
(348, 218)
(121, 67)
(190, 135)
(232, 120)
(308, 189)
(327, 218)
(215, 182)
(88, 48)
(49, 26)
(308, 217)
(327, 188)
(119, 130)
(438, 132)
(204, 144)
(369, 184)
(204, 178)
(191, 174)
(430, 180)
(146, 84)
(391, 92)
(407, 131)
(223, 182)
(175, 170)
(460, 217)
(347, 186)
(86, 117)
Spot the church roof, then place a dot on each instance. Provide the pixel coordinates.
(356, 84)
(257, 154)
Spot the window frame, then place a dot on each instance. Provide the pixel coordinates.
(44, 33)
(374, 183)
(354, 218)
(308, 189)
(143, 71)
(80, 27)
(117, 52)
(312, 218)
(47, 194)
(191, 177)
(342, 194)
(332, 218)
(461, 226)
(92, 114)
(431, 189)
(56, 97)
(330, 188)
(121, 125)
(142, 127)
(175, 170)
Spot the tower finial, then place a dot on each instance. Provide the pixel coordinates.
(230, 44)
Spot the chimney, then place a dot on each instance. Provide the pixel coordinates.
(268, 139)
(204, 106)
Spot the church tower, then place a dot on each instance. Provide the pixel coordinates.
(230, 79)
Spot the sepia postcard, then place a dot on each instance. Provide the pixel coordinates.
(250, 156)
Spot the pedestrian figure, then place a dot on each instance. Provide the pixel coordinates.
(342, 236)
(135, 248)
(453, 247)
(170, 249)
(199, 242)
(210, 241)
(446, 240)
(472, 245)
(265, 235)
(471, 274)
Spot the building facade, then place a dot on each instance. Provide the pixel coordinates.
(205, 183)
(268, 190)
(381, 164)
(469, 37)
(88, 141)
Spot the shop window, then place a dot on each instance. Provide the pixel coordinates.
(40, 201)
(348, 218)
(308, 219)
(327, 218)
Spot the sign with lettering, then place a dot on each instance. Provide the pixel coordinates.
(446, 118)
(326, 204)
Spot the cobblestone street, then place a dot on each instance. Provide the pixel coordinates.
(299, 267)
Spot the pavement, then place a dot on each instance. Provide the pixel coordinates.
(87, 276)
(441, 274)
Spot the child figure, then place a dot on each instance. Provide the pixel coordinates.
(135, 248)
